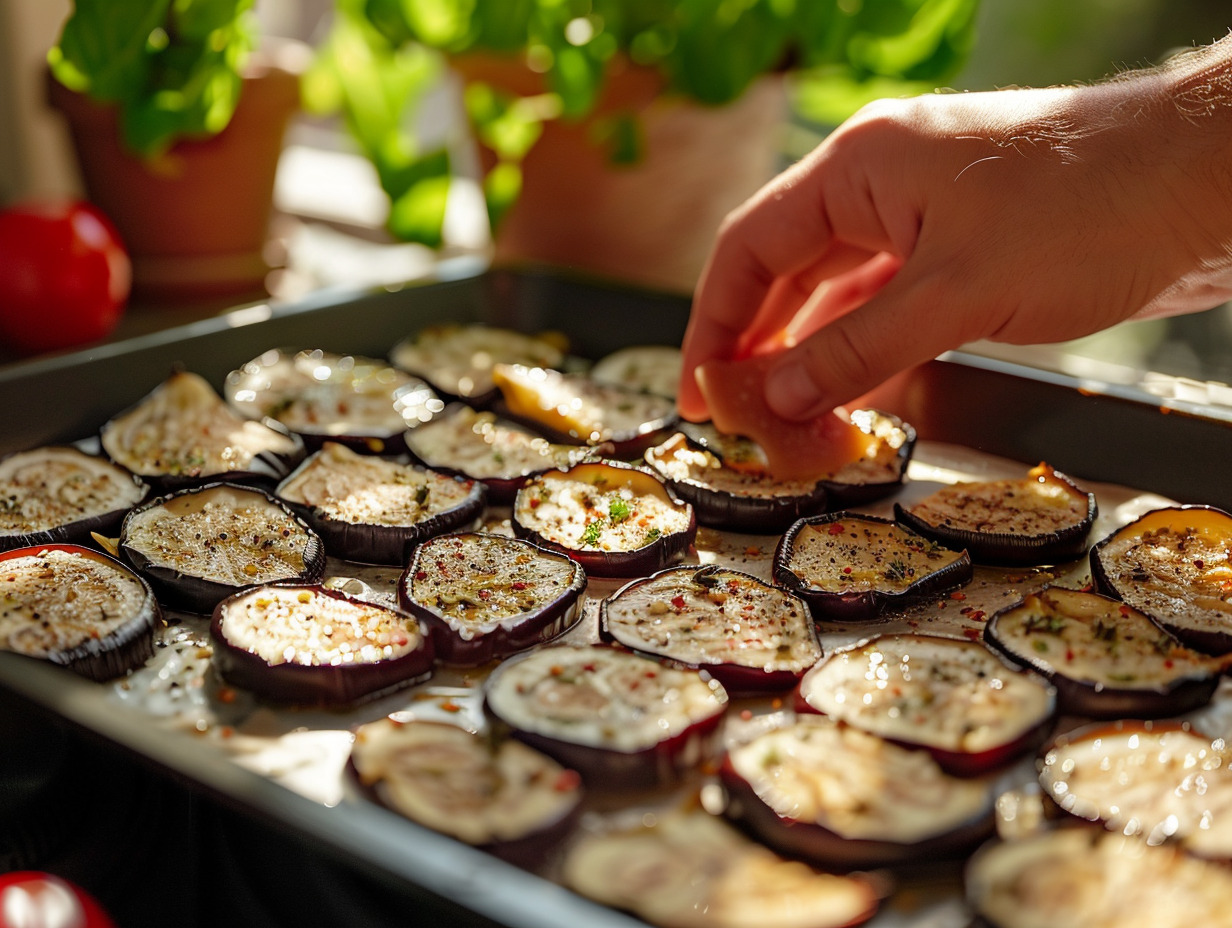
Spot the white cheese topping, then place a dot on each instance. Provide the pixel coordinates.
(648, 368)
(481, 446)
(459, 358)
(858, 555)
(1037, 505)
(49, 487)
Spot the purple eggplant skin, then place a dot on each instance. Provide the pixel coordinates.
(315, 685)
(178, 590)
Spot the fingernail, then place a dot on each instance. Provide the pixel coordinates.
(791, 393)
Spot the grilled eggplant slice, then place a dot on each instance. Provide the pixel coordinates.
(500, 796)
(484, 597)
(645, 368)
(184, 434)
(308, 644)
(1043, 518)
(59, 494)
(78, 608)
(839, 797)
(197, 546)
(953, 698)
(851, 567)
(620, 720)
(689, 869)
(615, 520)
(750, 636)
(373, 509)
(1106, 659)
(322, 396)
(1175, 565)
(481, 446)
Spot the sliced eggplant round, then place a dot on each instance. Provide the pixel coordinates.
(481, 446)
(197, 546)
(620, 720)
(839, 797)
(458, 358)
(1162, 781)
(58, 494)
(1087, 878)
(644, 368)
(78, 608)
(184, 434)
(1174, 564)
(1106, 659)
(309, 644)
(1043, 518)
(953, 698)
(689, 869)
(613, 519)
(321, 396)
(373, 509)
(484, 597)
(851, 567)
(500, 796)
(750, 636)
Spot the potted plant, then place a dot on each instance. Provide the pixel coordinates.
(681, 99)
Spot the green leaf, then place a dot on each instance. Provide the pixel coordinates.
(418, 215)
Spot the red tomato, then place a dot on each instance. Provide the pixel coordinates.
(32, 899)
(64, 276)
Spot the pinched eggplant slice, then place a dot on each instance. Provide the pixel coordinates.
(197, 546)
(1043, 518)
(613, 519)
(78, 608)
(620, 720)
(851, 567)
(500, 796)
(58, 494)
(373, 509)
(750, 636)
(484, 597)
(1174, 564)
(1106, 659)
(953, 698)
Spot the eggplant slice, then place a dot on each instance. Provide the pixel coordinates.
(1174, 564)
(620, 720)
(750, 636)
(644, 368)
(1043, 518)
(1106, 659)
(836, 796)
(485, 597)
(500, 796)
(184, 434)
(373, 509)
(851, 567)
(78, 608)
(59, 494)
(197, 546)
(953, 698)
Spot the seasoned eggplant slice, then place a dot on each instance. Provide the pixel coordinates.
(480, 446)
(1157, 780)
(500, 796)
(645, 368)
(839, 797)
(373, 509)
(484, 597)
(1086, 878)
(78, 608)
(1106, 659)
(307, 644)
(1043, 518)
(1175, 565)
(200, 545)
(750, 636)
(689, 869)
(620, 720)
(953, 698)
(851, 567)
(321, 396)
(60, 494)
(184, 434)
(458, 359)
(615, 520)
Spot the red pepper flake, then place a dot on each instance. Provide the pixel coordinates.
(978, 615)
(836, 528)
(485, 594)
(567, 781)
(678, 602)
(1124, 610)
(752, 551)
(1168, 663)
(972, 633)
(517, 585)
(958, 595)
(590, 668)
(846, 570)
(556, 670)
(448, 705)
(421, 575)
(226, 731)
(226, 695)
(534, 502)
(1069, 654)
(776, 703)
(746, 714)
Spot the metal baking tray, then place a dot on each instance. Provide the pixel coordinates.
(973, 415)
